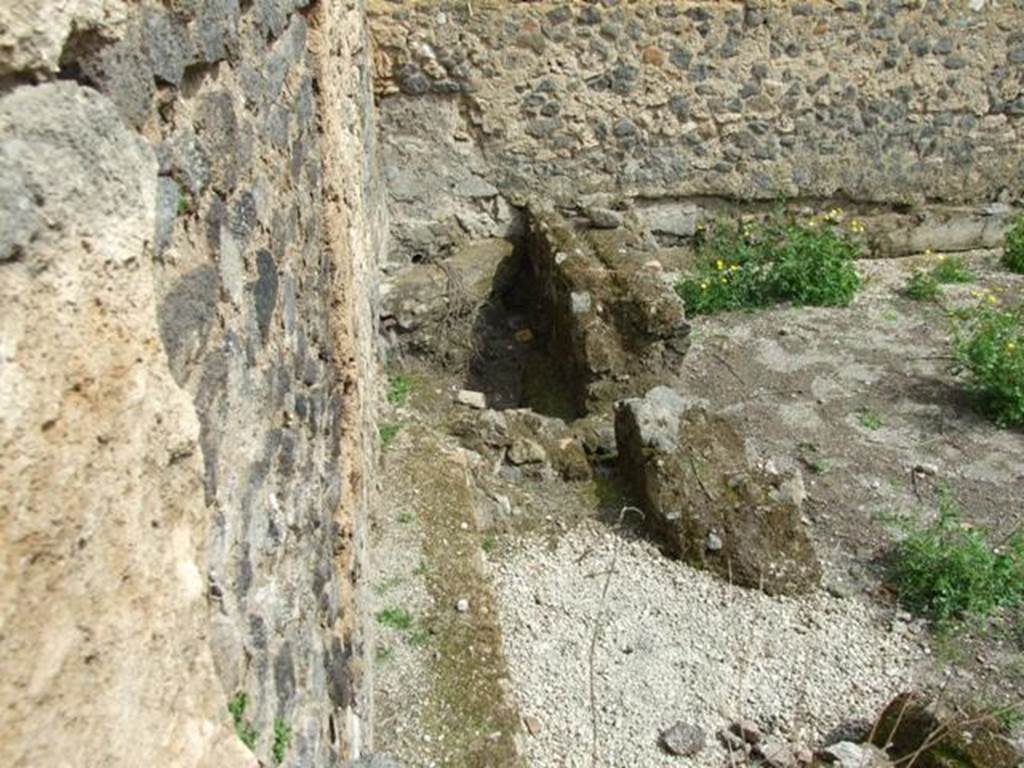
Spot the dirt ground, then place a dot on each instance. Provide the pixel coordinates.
(865, 398)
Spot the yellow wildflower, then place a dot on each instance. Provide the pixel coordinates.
(1010, 346)
(720, 264)
(703, 286)
(991, 299)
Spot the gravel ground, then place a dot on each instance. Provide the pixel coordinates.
(677, 644)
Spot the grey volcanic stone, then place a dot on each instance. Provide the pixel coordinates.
(186, 315)
(683, 739)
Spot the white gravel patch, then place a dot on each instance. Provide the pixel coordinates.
(678, 644)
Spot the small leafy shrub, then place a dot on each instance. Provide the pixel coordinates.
(399, 388)
(1013, 250)
(396, 618)
(948, 570)
(952, 269)
(921, 287)
(773, 262)
(244, 728)
(989, 343)
(282, 740)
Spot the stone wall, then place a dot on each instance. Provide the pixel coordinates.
(884, 104)
(189, 217)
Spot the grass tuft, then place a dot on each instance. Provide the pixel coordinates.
(921, 286)
(952, 269)
(388, 432)
(948, 570)
(399, 388)
(282, 740)
(244, 728)
(396, 618)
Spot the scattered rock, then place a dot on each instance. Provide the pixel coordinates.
(776, 753)
(532, 725)
(846, 754)
(473, 399)
(526, 451)
(698, 489)
(462, 605)
(683, 739)
(603, 218)
(747, 730)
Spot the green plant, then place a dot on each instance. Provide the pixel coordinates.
(282, 740)
(812, 459)
(921, 287)
(989, 343)
(420, 569)
(775, 261)
(489, 543)
(399, 388)
(419, 636)
(384, 653)
(388, 432)
(952, 269)
(244, 728)
(396, 618)
(1013, 250)
(948, 570)
(1009, 716)
(405, 517)
(184, 205)
(870, 420)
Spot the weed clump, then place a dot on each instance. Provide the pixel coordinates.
(282, 740)
(396, 618)
(244, 728)
(399, 388)
(948, 570)
(921, 287)
(1013, 250)
(388, 432)
(989, 344)
(779, 260)
(952, 269)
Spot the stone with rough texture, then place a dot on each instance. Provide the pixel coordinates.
(910, 722)
(241, 274)
(682, 739)
(616, 326)
(888, 105)
(846, 754)
(103, 524)
(470, 398)
(692, 474)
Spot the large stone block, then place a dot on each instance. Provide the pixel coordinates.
(706, 502)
